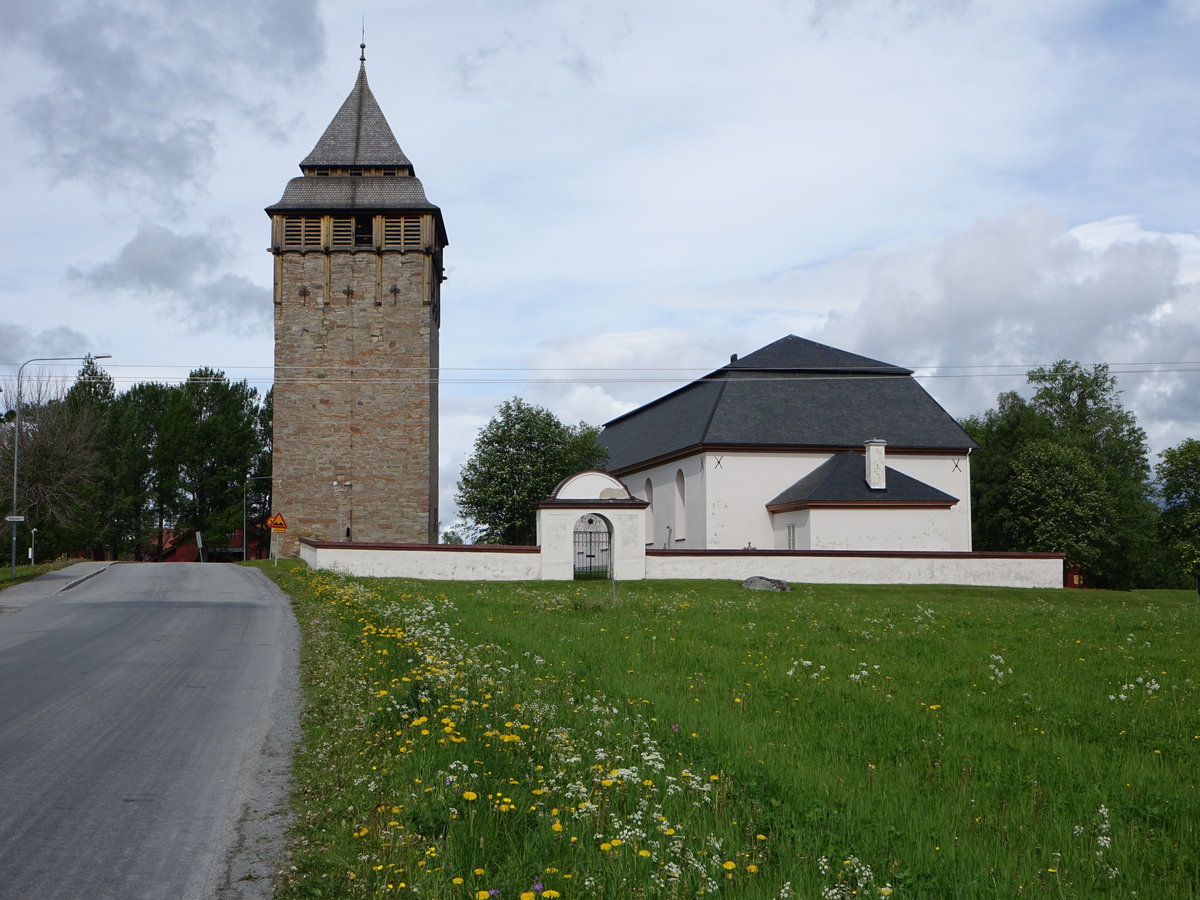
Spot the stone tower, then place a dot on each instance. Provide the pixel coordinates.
(358, 272)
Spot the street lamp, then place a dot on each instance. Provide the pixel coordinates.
(14, 518)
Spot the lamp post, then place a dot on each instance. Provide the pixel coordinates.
(14, 518)
(245, 487)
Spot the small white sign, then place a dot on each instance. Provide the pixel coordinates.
(14, 518)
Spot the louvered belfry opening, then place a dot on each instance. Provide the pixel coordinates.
(358, 269)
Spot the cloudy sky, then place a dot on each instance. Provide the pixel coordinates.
(633, 190)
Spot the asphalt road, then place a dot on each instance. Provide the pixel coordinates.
(146, 719)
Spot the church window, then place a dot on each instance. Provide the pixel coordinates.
(650, 512)
(680, 507)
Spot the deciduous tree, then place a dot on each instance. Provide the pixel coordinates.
(519, 457)
(1179, 485)
(1057, 502)
(1077, 409)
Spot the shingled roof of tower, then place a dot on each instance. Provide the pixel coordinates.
(352, 192)
(359, 135)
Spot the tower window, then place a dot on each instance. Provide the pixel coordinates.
(402, 231)
(343, 233)
(301, 231)
(363, 231)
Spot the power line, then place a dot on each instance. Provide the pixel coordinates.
(448, 375)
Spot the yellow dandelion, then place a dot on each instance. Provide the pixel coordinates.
(729, 865)
(470, 795)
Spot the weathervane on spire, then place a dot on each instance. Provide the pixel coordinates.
(362, 56)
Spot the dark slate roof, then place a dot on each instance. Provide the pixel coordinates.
(792, 393)
(797, 354)
(359, 135)
(367, 192)
(842, 479)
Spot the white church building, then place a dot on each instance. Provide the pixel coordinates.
(797, 446)
(798, 462)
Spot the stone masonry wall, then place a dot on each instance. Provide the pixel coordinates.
(355, 431)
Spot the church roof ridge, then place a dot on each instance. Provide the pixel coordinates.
(796, 354)
(359, 134)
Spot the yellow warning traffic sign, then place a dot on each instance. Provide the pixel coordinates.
(277, 523)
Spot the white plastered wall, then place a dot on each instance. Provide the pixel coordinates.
(727, 494)
(880, 529)
(662, 529)
(949, 473)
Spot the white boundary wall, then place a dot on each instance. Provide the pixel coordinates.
(815, 567)
(441, 562)
(600, 494)
(445, 562)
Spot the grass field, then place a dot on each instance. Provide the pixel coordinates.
(669, 739)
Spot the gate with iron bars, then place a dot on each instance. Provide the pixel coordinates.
(593, 551)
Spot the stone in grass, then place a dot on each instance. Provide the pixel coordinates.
(763, 583)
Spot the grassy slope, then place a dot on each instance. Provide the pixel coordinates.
(954, 742)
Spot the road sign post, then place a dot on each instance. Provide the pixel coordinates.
(278, 526)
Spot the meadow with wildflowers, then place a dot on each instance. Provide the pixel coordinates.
(674, 739)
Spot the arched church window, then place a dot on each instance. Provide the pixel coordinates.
(650, 512)
(680, 506)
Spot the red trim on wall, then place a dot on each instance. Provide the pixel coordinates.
(859, 504)
(598, 505)
(437, 548)
(886, 554)
(695, 449)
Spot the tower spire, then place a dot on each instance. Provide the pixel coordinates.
(362, 55)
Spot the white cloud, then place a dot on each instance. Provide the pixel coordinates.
(640, 184)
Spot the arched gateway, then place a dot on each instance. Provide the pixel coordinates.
(592, 527)
(592, 540)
